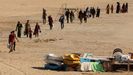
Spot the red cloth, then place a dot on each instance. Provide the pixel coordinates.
(12, 38)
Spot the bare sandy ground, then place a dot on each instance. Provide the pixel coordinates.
(99, 36)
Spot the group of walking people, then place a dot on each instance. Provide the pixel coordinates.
(92, 12)
(119, 8)
(68, 15)
(27, 32)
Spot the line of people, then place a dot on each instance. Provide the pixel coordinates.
(92, 12)
(119, 8)
(69, 15)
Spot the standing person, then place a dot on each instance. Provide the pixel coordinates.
(12, 41)
(71, 16)
(67, 14)
(44, 15)
(19, 29)
(30, 33)
(112, 8)
(85, 16)
(37, 30)
(27, 27)
(118, 7)
(93, 12)
(98, 12)
(50, 20)
(61, 20)
(80, 16)
(107, 9)
(127, 7)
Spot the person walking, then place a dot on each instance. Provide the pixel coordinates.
(85, 16)
(12, 41)
(108, 9)
(27, 27)
(37, 30)
(71, 16)
(44, 15)
(112, 8)
(19, 29)
(98, 12)
(30, 33)
(93, 12)
(61, 20)
(67, 14)
(118, 7)
(80, 16)
(126, 7)
(50, 20)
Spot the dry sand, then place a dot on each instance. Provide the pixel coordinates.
(99, 36)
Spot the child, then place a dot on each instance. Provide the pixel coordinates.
(30, 33)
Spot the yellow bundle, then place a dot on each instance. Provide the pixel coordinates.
(71, 59)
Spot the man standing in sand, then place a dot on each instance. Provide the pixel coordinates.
(19, 29)
(12, 41)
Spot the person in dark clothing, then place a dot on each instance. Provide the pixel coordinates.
(50, 20)
(67, 14)
(127, 7)
(118, 7)
(12, 41)
(98, 12)
(80, 16)
(37, 30)
(123, 9)
(30, 33)
(112, 8)
(85, 16)
(27, 27)
(61, 20)
(71, 16)
(93, 12)
(44, 15)
(19, 29)
(107, 9)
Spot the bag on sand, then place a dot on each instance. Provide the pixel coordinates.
(8, 45)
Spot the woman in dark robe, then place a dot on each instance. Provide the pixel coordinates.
(37, 30)
(118, 7)
(107, 9)
(19, 29)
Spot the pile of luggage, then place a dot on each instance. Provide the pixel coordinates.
(73, 62)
